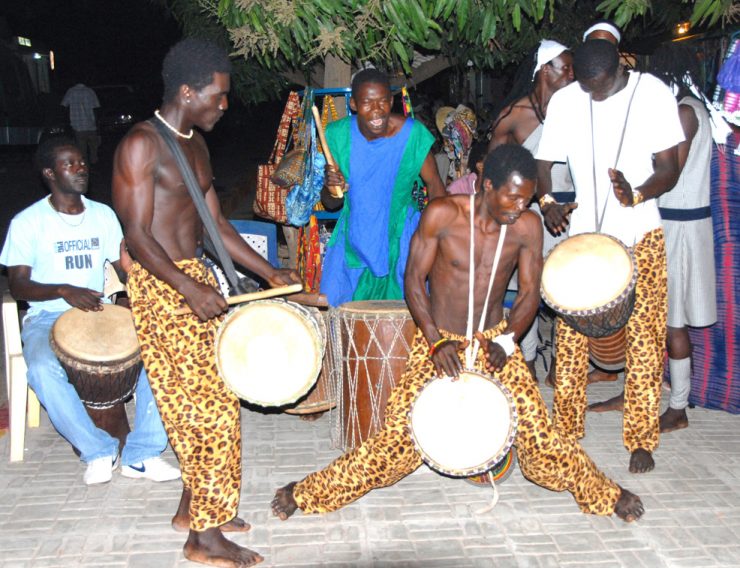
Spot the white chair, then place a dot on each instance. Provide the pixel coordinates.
(23, 403)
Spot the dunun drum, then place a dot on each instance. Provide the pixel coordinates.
(371, 344)
(269, 352)
(589, 280)
(463, 427)
(322, 396)
(100, 353)
(608, 353)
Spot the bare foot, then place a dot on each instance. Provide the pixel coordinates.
(614, 403)
(673, 419)
(628, 507)
(284, 505)
(212, 548)
(641, 461)
(599, 376)
(181, 520)
(530, 366)
(311, 417)
(550, 379)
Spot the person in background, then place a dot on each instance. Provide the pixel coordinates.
(82, 101)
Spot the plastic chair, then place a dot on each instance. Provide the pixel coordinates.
(23, 403)
(261, 236)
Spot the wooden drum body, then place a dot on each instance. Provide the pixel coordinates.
(100, 353)
(371, 343)
(322, 395)
(589, 280)
(608, 353)
(269, 352)
(463, 427)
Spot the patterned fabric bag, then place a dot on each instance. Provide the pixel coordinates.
(270, 199)
(302, 198)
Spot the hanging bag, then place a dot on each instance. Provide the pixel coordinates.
(269, 201)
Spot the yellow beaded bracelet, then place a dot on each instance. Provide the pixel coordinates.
(436, 344)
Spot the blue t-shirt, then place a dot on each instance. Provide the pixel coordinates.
(63, 249)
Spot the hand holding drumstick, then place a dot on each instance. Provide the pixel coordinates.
(334, 179)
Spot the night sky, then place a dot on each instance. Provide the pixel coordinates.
(97, 41)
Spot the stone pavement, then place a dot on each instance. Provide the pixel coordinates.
(48, 517)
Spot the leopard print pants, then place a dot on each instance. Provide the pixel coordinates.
(201, 415)
(547, 458)
(646, 336)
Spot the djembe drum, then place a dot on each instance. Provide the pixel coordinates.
(269, 352)
(371, 344)
(463, 427)
(589, 280)
(100, 353)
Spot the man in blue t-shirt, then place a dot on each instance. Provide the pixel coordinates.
(55, 252)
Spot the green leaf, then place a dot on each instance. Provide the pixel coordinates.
(463, 8)
(516, 17)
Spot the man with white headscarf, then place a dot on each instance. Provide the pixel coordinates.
(521, 121)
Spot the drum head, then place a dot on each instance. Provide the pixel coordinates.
(269, 352)
(586, 272)
(96, 337)
(463, 427)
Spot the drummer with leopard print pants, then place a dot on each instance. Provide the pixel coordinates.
(630, 119)
(440, 252)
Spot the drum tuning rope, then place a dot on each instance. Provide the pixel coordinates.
(473, 343)
(494, 500)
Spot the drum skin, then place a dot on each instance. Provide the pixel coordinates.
(100, 353)
(269, 352)
(608, 353)
(370, 350)
(589, 280)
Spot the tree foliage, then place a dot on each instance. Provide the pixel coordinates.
(275, 37)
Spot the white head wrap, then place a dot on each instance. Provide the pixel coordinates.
(547, 51)
(603, 27)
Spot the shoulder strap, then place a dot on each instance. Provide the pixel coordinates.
(200, 203)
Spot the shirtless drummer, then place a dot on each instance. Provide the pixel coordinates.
(440, 253)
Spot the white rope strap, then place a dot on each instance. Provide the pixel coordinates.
(474, 344)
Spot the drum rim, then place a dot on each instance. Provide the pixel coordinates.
(304, 312)
(112, 365)
(401, 308)
(587, 312)
(488, 464)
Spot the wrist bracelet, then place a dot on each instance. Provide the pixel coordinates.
(637, 197)
(433, 348)
(546, 199)
(506, 341)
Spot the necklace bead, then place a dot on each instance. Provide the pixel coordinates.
(187, 136)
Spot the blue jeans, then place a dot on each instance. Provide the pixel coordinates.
(67, 413)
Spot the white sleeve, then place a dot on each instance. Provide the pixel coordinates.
(113, 234)
(19, 249)
(661, 109)
(551, 147)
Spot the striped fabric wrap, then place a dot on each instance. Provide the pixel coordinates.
(715, 381)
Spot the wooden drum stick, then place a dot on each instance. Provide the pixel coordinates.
(335, 190)
(260, 295)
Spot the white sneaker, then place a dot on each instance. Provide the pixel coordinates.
(100, 470)
(155, 469)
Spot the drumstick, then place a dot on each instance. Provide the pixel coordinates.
(260, 295)
(335, 190)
